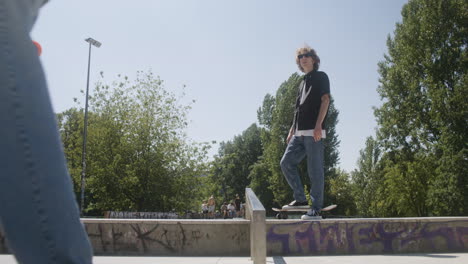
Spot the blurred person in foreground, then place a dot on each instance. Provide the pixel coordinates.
(38, 210)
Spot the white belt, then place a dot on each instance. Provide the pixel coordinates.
(309, 133)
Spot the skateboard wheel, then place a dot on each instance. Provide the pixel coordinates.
(282, 215)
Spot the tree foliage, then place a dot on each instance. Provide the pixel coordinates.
(275, 137)
(422, 132)
(367, 179)
(138, 156)
(340, 188)
(231, 168)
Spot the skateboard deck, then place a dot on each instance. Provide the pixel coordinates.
(283, 213)
(325, 209)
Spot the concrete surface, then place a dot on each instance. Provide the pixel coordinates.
(172, 237)
(145, 237)
(288, 238)
(450, 258)
(366, 236)
(255, 212)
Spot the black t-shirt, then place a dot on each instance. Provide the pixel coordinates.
(308, 108)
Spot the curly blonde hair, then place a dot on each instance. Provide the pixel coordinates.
(306, 49)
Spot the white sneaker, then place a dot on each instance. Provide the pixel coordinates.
(297, 205)
(312, 214)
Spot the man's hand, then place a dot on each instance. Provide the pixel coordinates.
(323, 111)
(290, 135)
(317, 133)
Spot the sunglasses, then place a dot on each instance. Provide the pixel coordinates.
(307, 55)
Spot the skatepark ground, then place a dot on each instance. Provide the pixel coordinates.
(347, 259)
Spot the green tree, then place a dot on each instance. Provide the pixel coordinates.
(260, 172)
(366, 178)
(231, 168)
(259, 180)
(331, 158)
(265, 112)
(274, 140)
(70, 123)
(341, 189)
(139, 158)
(423, 120)
(405, 186)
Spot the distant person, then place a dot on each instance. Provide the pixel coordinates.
(204, 208)
(231, 209)
(38, 210)
(211, 207)
(237, 202)
(224, 210)
(242, 210)
(305, 138)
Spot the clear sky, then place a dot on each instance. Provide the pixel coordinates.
(229, 54)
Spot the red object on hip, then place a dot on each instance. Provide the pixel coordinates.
(39, 48)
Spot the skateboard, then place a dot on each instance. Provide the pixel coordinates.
(283, 213)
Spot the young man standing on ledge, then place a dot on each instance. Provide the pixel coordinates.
(306, 134)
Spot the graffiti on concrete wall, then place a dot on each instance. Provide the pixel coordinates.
(320, 237)
(141, 215)
(160, 238)
(107, 238)
(167, 239)
(297, 238)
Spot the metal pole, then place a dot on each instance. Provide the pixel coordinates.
(83, 158)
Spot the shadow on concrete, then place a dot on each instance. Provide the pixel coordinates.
(278, 260)
(442, 256)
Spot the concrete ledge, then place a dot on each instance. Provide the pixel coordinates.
(387, 219)
(169, 237)
(367, 236)
(145, 237)
(235, 221)
(256, 214)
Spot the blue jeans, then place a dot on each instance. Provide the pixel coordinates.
(38, 210)
(298, 148)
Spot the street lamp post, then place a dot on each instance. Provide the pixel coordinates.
(92, 42)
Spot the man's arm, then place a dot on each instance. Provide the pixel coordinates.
(323, 112)
(291, 133)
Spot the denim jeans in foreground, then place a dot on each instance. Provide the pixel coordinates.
(38, 210)
(301, 147)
